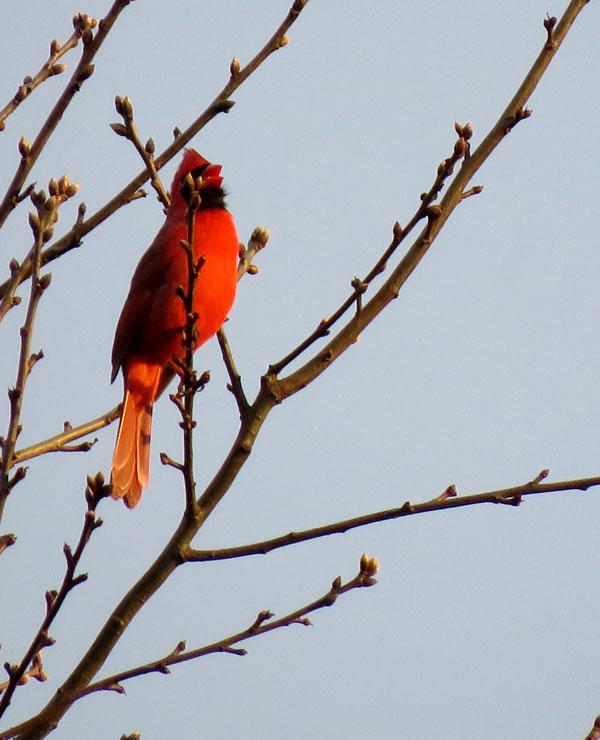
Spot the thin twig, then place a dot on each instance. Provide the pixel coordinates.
(439, 215)
(235, 380)
(84, 70)
(447, 500)
(42, 226)
(189, 383)
(257, 241)
(50, 68)
(59, 442)
(128, 129)
(96, 490)
(263, 623)
(399, 234)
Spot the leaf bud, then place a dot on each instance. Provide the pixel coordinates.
(120, 129)
(34, 222)
(45, 280)
(260, 235)
(24, 147)
(127, 107)
(460, 148)
(87, 72)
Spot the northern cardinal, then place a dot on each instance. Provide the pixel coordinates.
(149, 334)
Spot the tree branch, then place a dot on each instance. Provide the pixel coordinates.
(263, 623)
(514, 112)
(84, 70)
(128, 129)
(447, 500)
(42, 227)
(50, 68)
(59, 442)
(96, 490)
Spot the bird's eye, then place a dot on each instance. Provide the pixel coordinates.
(197, 171)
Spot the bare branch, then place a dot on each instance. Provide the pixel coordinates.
(235, 380)
(42, 226)
(446, 500)
(258, 240)
(91, 43)
(263, 623)
(59, 442)
(50, 68)
(146, 151)
(399, 234)
(439, 215)
(96, 490)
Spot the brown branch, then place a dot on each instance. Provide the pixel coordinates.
(84, 70)
(220, 104)
(95, 491)
(399, 234)
(235, 379)
(447, 500)
(128, 129)
(439, 215)
(50, 68)
(36, 671)
(60, 442)
(189, 383)
(258, 241)
(263, 623)
(42, 226)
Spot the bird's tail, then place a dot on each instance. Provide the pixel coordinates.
(131, 458)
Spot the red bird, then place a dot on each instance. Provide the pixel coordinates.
(149, 335)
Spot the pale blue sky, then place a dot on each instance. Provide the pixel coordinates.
(485, 370)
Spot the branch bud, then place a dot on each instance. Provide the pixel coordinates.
(34, 222)
(120, 129)
(24, 147)
(460, 148)
(234, 67)
(261, 236)
(87, 72)
(127, 107)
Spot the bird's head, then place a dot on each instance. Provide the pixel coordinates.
(211, 191)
